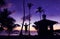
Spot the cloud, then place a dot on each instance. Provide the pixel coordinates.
(8, 5)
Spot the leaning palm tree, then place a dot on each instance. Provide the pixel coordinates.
(23, 18)
(29, 6)
(40, 10)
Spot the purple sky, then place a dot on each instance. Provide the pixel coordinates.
(52, 9)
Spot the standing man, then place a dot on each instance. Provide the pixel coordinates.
(26, 26)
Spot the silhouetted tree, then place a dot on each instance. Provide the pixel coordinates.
(23, 18)
(40, 10)
(29, 6)
(2, 3)
(6, 20)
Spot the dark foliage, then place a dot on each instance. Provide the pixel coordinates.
(6, 20)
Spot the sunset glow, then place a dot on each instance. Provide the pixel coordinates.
(52, 10)
(19, 28)
(56, 27)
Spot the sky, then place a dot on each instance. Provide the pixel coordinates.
(51, 7)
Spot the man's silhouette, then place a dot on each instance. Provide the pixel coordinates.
(26, 27)
(43, 26)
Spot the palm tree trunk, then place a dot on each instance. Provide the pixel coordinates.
(29, 21)
(23, 17)
(40, 16)
(21, 30)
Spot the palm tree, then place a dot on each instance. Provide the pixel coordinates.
(6, 20)
(40, 10)
(29, 6)
(2, 3)
(23, 17)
